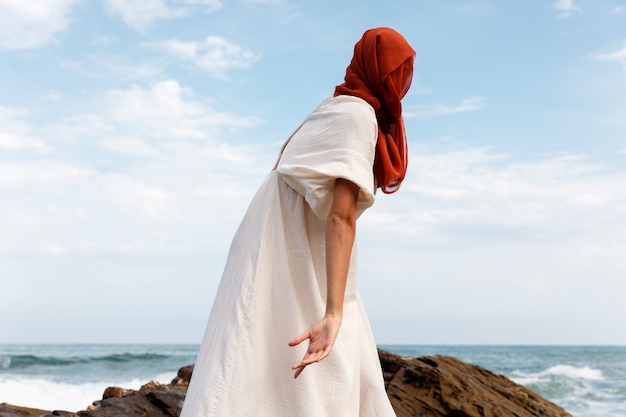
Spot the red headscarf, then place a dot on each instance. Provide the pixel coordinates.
(380, 73)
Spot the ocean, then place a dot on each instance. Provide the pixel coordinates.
(588, 381)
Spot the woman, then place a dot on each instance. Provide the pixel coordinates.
(291, 268)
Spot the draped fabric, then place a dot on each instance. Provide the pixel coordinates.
(380, 73)
(274, 286)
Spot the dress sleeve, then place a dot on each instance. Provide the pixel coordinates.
(336, 141)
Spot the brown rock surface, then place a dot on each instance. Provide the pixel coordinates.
(138, 403)
(183, 377)
(8, 410)
(442, 386)
(430, 386)
(152, 400)
(115, 392)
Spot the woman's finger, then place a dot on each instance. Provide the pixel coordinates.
(300, 338)
(298, 372)
(313, 357)
(308, 360)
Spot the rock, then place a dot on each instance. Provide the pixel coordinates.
(170, 403)
(116, 392)
(183, 377)
(154, 386)
(442, 386)
(152, 400)
(139, 404)
(8, 410)
(429, 386)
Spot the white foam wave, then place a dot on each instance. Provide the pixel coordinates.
(567, 371)
(524, 379)
(574, 372)
(165, 377)
(49, 395)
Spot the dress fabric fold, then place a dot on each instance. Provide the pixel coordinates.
(274, 287)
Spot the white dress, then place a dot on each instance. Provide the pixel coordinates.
(274, 287)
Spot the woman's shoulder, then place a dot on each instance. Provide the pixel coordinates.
(345, 111)
(349, 105)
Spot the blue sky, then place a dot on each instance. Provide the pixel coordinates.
(134, 133)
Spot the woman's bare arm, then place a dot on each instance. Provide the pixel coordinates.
(340, 233)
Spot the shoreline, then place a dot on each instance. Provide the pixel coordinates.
(429, 386)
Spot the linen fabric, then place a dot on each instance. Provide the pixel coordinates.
(274, 287)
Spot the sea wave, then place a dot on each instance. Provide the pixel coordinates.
(5, 362)
(21, 362)
(574, 372)
(564, 371)
(51, 395)
(572, 387)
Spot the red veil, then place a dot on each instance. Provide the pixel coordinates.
(380, 73)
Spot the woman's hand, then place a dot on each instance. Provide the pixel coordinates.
(322, 336)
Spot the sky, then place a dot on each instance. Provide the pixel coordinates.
(133, 134)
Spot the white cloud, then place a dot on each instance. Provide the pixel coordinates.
(464, 198)
(184, 50)
(167, 110)
(548, 230)
(103, 66)
(130, 146)
(619, 56)
(38, 172)
(140, 14)
(158, 172)
(30, 24)
(148, 199)
(22, 218)
(434, 110)
(619, 10)
(565, 7)
(10, 141)
(215, 55)
(14, 132)
(52, 95)
(104, 40)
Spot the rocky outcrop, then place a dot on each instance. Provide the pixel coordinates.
(151, 400)
(429, 386)
(442, 386)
